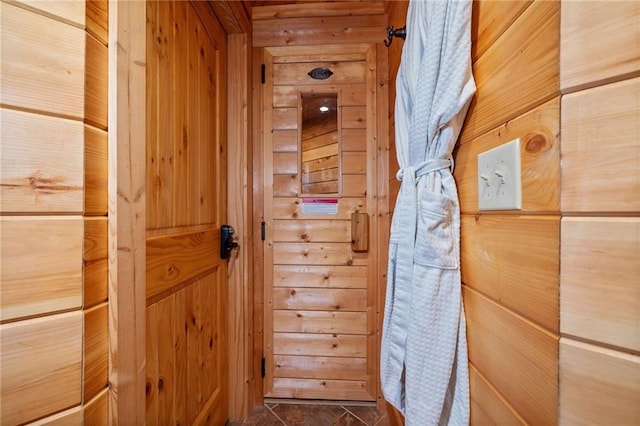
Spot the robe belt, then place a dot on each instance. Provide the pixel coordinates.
(407, 209)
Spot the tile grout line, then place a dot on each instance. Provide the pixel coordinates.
(354, 415)
(273, 412)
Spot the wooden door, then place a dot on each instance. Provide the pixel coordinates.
(320, 333)
(186, 205)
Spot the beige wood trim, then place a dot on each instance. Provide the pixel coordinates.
(127, 217)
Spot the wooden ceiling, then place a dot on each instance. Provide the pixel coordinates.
(250, 4)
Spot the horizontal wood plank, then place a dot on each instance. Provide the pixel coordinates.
(41, 265)
(488, 407)
(96, 411)
(354, 117)
(285, 185)
(599, 42)
(285, 118)
(345, 390)
(41, 366)
(312, 254)
(598, 385)
(95, 351)
(301, 10)
(514, 260)
(354, 140)
(538, 131)
(604, 177)
(285, 162)
(312, 230)
(72, 12)
(517, 358)
(96, 83)
(42, 63)
(490, 19)
(320, 322)
(349, 94)
(354, 162)
(316, 367)
(288, 208)
(72, 416)
(354, 185)
(298, 73)
(319, 299)
(319, 344)
(41, 167)
(599, 287)
(528, 49)
(95, 171)
(177, 258)
(318, 30)
(320, 276)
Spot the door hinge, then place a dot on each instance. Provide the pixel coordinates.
(264, 73)
(263, 367)
(263, 230)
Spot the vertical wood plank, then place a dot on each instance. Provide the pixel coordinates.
(96, 411)
(127, 216)
(95, 82)
(97, 19)
(95, 261)
(152, 386)
(95, 171)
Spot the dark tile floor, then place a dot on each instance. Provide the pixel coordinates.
(289, 414)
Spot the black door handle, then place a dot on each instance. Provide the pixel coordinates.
(226, 241)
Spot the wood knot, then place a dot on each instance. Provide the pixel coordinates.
(293, 292)
(160, 383)
(477, 217)
(535, 143)
(304, 237)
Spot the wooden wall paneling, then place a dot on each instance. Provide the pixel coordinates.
(180, 331)
(522, 273)
(166, 118)
(288, 207)
(336, 368)
(95, 261)
(345, 390)
(539, 131)
(194, 138)
(127, 215)
(351, 94)
(490, 19)
(354, 162)
(41, 165)
(33, 75)
(41, 366)
(181, 140)
(297, 321)
(599, 43)
(178, 259)
(304, 230)
(320, 276)
(72, 416)
(313, 253)
(166, 359)
(96, 411)
(72, 13)
(285, 119)
(488, 407)
(529, 49)
(285, 141)
(320, 344)
(301, 10)
(319, 299)
(153, 46)
(97, 19)
(354, 185)
(519, 359)
(95, 82)
(40, 275)
(354, 117)
(232, 16)
(600, 266)
(354, 139)
(95, 171)
(152, 369)
(601, 149)
(95, 351)
(297, 73)
(318, 31)
(598, 385)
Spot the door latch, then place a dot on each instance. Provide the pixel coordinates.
(227, 244)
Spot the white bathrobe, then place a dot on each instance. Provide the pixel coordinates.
(424, 367)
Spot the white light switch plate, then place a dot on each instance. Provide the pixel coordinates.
(499, 182)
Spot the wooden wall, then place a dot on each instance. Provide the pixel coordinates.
(510, 259)
(54, 322)
(600, 201)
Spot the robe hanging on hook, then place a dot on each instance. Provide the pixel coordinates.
(391, 33)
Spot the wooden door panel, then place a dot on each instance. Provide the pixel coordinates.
(320, 316)
(186, 280)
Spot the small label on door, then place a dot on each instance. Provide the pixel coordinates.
(321, 206)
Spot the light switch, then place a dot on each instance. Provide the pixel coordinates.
(499, 182)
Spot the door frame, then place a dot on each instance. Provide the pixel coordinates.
(127, 209)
